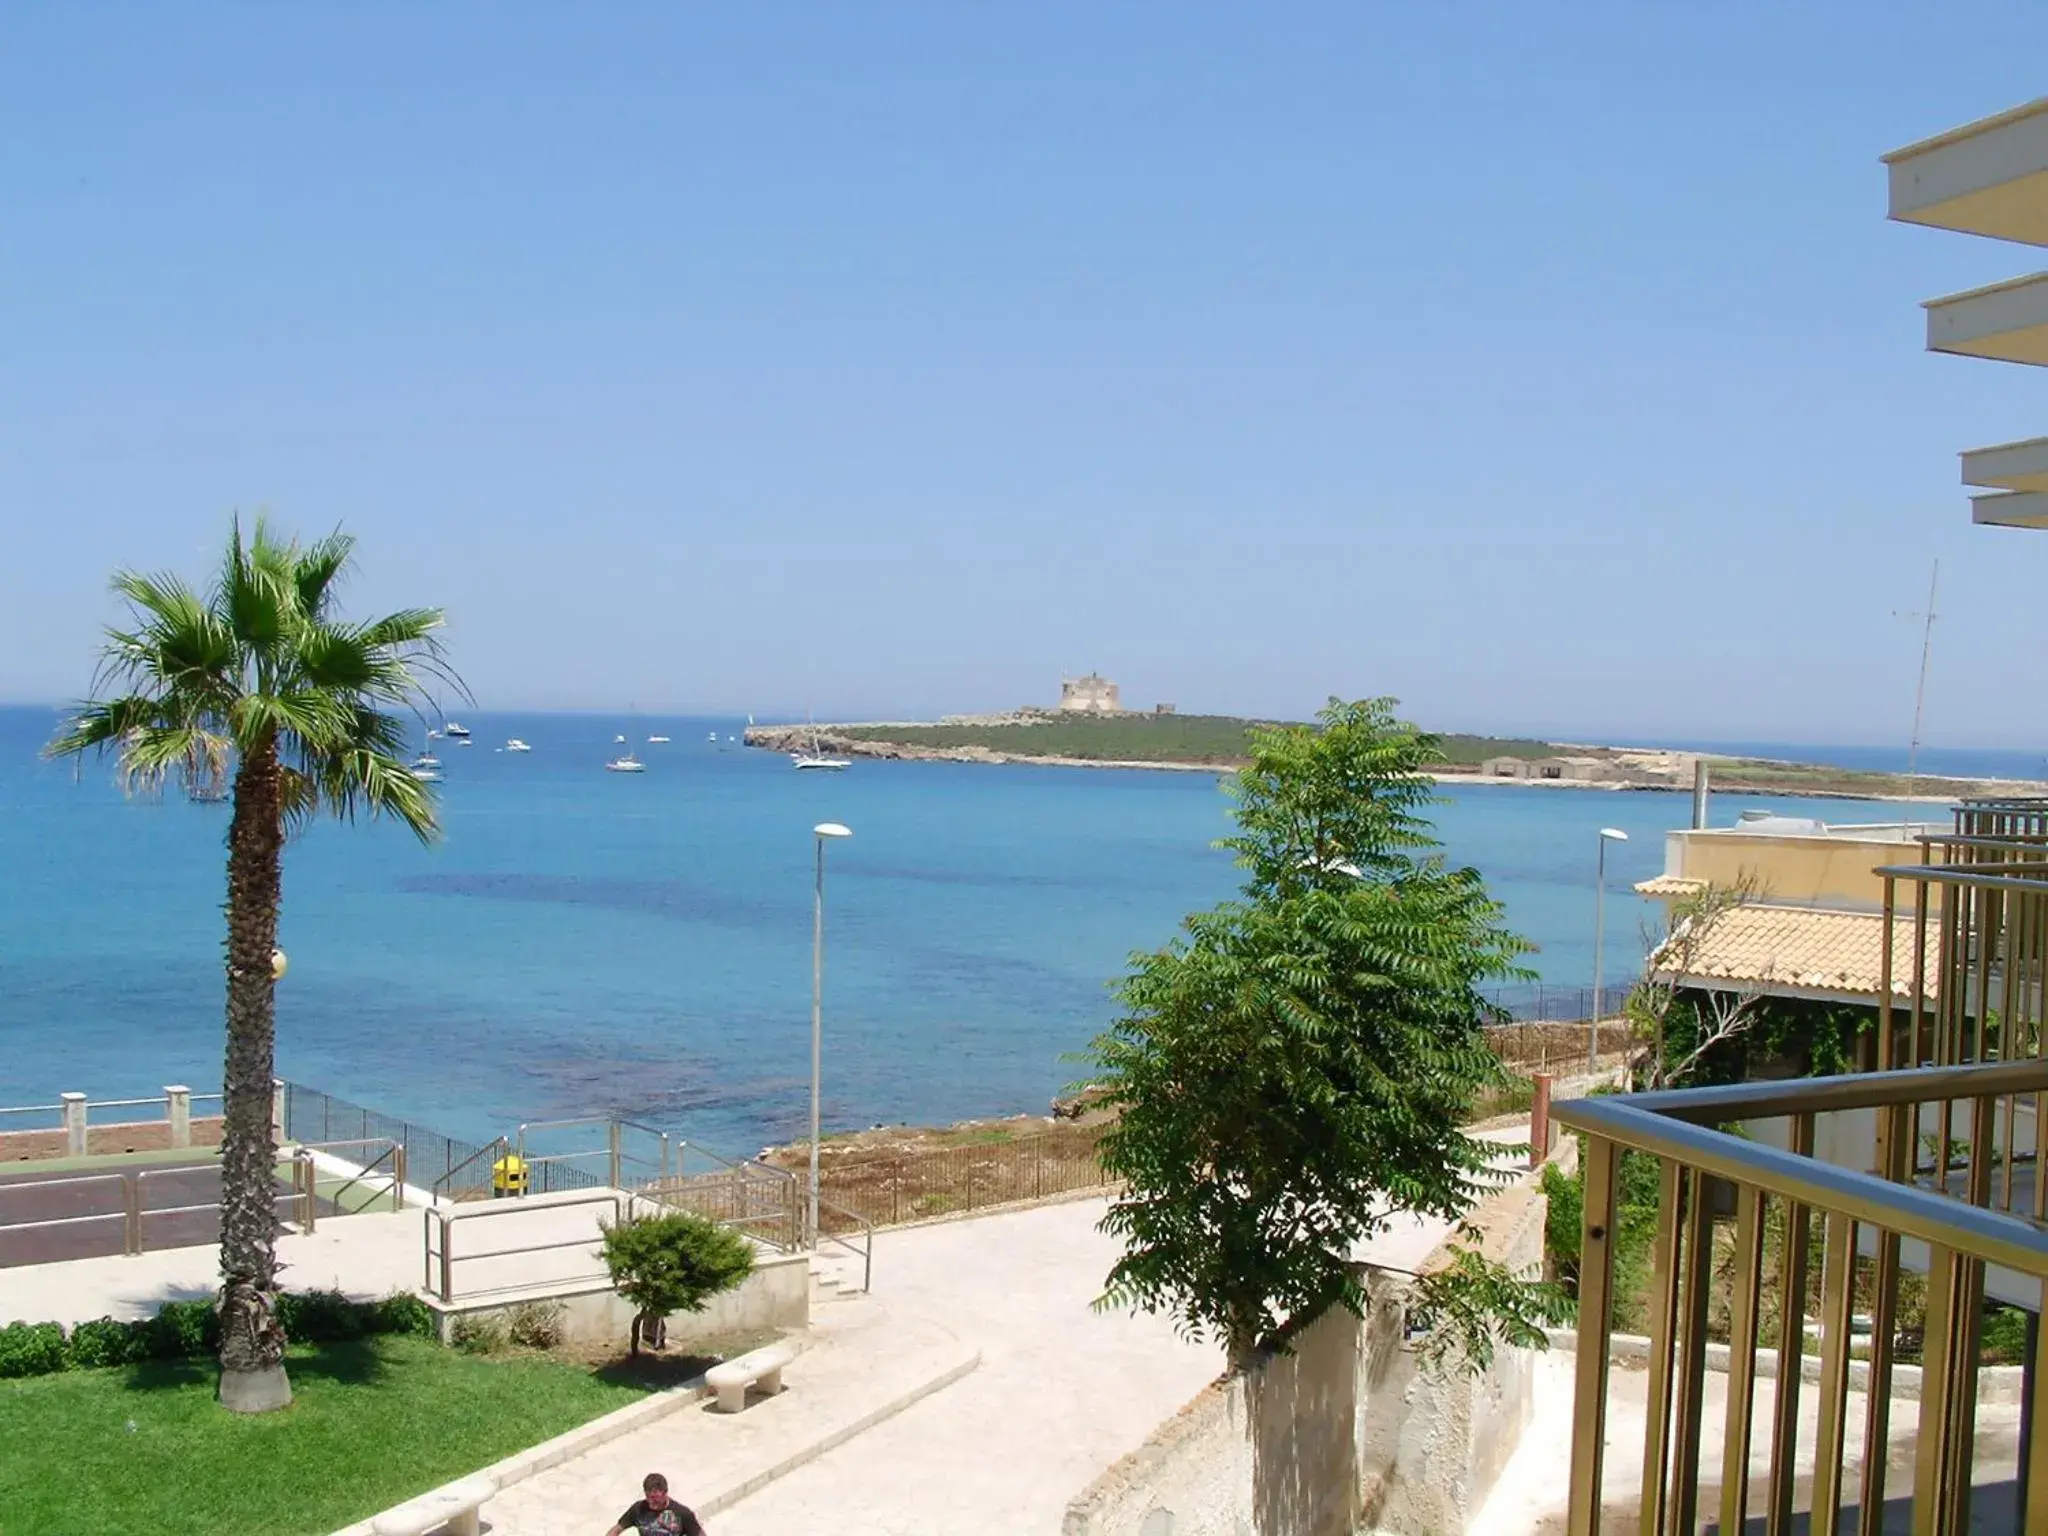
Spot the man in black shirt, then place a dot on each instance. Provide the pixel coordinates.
(656, 1514)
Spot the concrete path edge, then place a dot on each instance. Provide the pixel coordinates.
(548, 1454)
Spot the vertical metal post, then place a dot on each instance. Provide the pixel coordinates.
(1699, 793)
(817, 1031)
(1742, 1331)
(1664, 1327)
(447, 1261)
(398, 1163)
(1539, 1121)
(1837, 1279)
(1689, 1385)
(1791, 1346)
(612, 1153)
(1596, 1282)
(1599, 956)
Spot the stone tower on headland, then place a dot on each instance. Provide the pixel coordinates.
(1090, 695)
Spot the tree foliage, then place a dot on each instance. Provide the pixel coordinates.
(1292, 1072)
(672, 1261)
(259, 679)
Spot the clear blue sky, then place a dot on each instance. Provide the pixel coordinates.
(1552, 367)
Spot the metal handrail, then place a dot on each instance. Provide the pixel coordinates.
(866, 1249)
(1705, 1174)
(444, 1259)
(1822, 1095)
(393, 1151)
(500, 1146)
(1903, 1208)
(1982, 875)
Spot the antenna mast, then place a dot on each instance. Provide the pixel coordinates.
(1927, 618)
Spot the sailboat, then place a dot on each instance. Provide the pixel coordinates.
(816, 759)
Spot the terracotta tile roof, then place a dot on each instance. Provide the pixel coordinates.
(1669, 885)
(1804, 948)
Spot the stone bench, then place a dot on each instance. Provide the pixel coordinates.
(761, 1367)
(453, 1508)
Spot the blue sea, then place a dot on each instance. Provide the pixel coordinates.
(583, 942)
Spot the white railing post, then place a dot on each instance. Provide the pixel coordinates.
(277, 1109)
(74, 1124)
(178, 1102)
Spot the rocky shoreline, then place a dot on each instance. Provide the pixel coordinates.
(1824, 784)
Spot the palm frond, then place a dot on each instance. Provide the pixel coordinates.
(317, 569)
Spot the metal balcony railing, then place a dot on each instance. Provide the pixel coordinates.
(1855, 1185)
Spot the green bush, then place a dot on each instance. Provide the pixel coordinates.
(181, 1330)
(190, 1330)
(322, 1317)
(536, 1324)
(2004, 1340)
(104, 1341)
(32, 1349)
(402, 1313)
(481, 1333)
(672, 1261)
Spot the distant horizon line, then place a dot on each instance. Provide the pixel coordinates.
(1663, 741)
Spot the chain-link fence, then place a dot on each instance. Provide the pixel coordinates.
(885, 1186)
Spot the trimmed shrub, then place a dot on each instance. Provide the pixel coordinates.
(402, 1313)
(32, 1349)
(104, 1341)
(181, 1330)
(480, 1333)
(536, 1324)
(323, 1317)
(672, 1261)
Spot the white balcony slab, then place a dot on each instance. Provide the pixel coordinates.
(2008, 466)
(1986, 178)
(2006, 321)
(2011, 509)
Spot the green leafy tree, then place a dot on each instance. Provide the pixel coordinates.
(1292, 1073)
(259, 681)
(672, 1261)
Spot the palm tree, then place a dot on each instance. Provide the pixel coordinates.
(260, 677)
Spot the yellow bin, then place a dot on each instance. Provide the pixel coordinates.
(508, 1176)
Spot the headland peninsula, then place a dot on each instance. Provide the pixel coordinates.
(1220, 744)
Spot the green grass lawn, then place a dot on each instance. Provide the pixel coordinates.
(374, 1422)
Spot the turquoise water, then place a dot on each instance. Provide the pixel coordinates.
(584, 942)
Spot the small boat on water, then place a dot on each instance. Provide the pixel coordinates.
(426, 760)
(459, 732)
(426, 775)
(627, 763)
(514, 744)
(713, 736)
(620, 739)
(816, 759)
(657, 738)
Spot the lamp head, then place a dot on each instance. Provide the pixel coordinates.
(1614, 833)
(832, 829)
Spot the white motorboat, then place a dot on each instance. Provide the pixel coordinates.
(619, 740)
(426, 775)
(426, 760)
(713, 736)
(657, 739)
(516, 745)
(459, 732)
(627, 763)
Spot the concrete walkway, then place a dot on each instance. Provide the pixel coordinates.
(1062, 1390)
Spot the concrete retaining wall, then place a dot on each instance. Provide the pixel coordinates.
(777, 1295)
(1349, 1431)
(100, 1140)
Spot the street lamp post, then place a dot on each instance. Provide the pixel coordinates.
(1607, 835)
(822, 831)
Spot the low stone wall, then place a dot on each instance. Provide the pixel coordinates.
(1349, 1431)
(102, 1140)
(777, 1295)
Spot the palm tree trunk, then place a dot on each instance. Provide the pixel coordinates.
(252, 1375)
